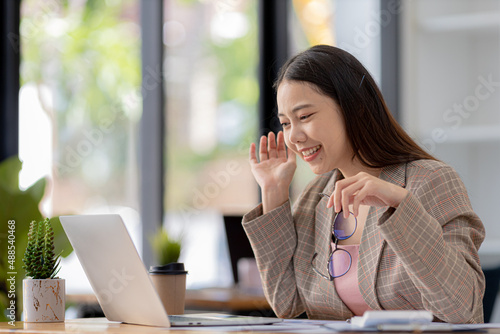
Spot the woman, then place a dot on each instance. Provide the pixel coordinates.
(404, 232)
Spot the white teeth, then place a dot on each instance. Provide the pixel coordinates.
(311, 151)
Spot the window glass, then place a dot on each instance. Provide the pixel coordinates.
(211, 58)
(79, 109)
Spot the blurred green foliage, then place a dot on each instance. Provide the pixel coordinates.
(17, 209)
(88, 54)
(235, 69)
(167, 249)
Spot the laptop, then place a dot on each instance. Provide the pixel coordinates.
(120, 280)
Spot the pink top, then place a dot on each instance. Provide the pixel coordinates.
(347, 285)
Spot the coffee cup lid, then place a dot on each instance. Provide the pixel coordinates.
(168, 269)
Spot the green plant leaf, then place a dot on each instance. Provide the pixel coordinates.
(21, 207)
(166, 248)
(39, 259)
(9, 174)
(37, 190)
(61, 241)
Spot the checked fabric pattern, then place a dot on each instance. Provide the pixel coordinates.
(422, 255)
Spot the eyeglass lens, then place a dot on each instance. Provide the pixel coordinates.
(344, 228)
(339, 263)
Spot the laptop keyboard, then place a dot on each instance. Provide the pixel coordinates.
(191, 319)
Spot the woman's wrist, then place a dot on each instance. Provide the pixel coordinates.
(273, 197)
(401, 195)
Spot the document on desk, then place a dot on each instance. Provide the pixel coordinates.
(288, 326)
(400, 321)
(327, 326)
(432, 327)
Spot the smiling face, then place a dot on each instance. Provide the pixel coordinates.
(313, 127)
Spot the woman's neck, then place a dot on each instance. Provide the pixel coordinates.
(356, 167)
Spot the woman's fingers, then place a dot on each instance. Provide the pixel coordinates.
(263, 155)
(346, 191)
(331, 202)
(348, 195)
(271, 145)
(281, 145)
(337, 196)
(358, 199)
(365, 189)
(253, 156)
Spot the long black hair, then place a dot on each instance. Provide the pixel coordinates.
(375, 137)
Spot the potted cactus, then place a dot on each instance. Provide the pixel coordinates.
(43, 291)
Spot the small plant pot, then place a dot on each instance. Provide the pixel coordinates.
(44, 300)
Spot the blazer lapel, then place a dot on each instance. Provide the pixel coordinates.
(372, 244)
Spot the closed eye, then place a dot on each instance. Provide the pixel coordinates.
(303, 117)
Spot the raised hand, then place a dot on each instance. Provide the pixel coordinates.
(274, 170)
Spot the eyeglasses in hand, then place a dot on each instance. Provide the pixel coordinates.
(340, 260)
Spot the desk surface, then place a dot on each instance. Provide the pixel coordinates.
(88, 325)
(92, 325)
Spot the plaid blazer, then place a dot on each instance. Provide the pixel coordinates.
(422, 255)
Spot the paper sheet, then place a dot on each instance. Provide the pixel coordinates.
(288, 326)
(325, 326)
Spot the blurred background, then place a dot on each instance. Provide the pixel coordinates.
(85, 79)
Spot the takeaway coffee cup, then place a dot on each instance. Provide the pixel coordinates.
(170, 283)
